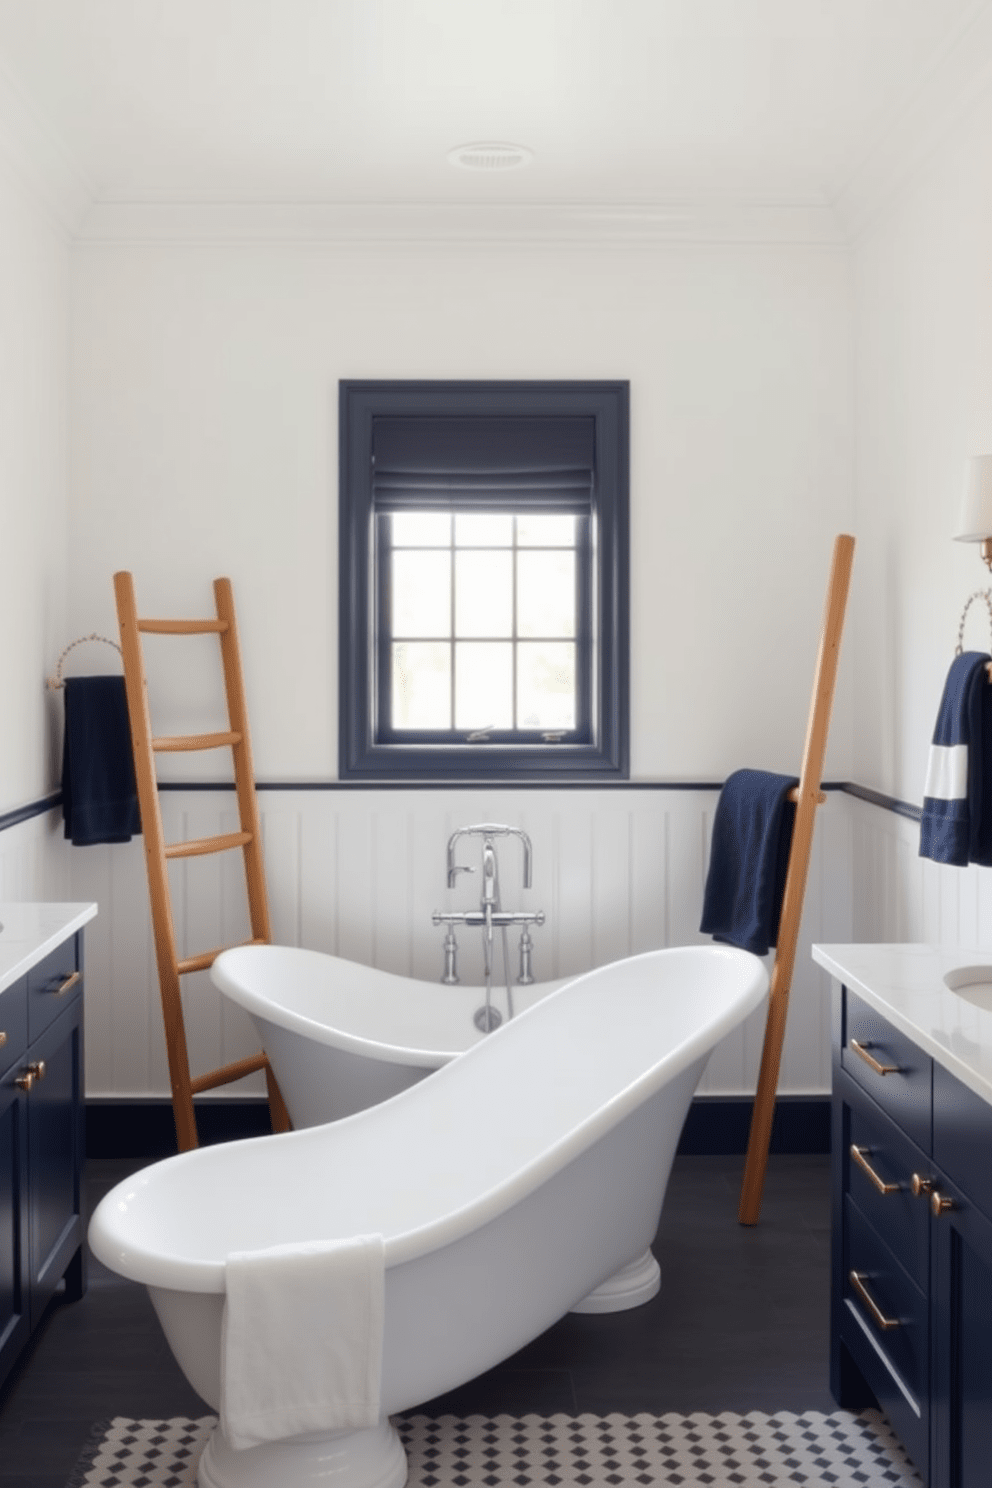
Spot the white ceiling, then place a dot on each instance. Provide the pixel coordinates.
(354, 102)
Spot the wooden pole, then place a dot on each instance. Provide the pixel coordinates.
(808, 793)
(163, 927)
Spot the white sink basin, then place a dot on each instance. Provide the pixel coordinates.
(973, 983)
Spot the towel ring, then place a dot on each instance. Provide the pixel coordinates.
(55, 682)
(985, 594)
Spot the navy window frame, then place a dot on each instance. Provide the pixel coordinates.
(598, 749)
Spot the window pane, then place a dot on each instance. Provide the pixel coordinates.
(421, 529)
(421, 690)
(546, 685)
(546, 593)
(421, 593)
(546, 532)
(483, 684)
(483, 530)
(484, 593)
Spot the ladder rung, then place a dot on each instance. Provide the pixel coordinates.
(228, 1073)
(183, 627)
(197, 846)
(207, 958)
(170, 743)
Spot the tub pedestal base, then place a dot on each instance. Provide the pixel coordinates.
(348, 1459)
(634, 1285)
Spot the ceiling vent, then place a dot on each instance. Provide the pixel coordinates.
(490, 157)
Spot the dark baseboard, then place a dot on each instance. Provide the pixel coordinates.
(145, 1128)
(720, 1125)
(716, 1125)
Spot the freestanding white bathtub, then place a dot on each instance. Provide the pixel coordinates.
(341, 1036)
(506, 1188)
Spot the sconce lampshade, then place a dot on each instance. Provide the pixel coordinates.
(976, 509)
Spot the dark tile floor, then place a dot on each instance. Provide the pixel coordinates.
(740, 1324)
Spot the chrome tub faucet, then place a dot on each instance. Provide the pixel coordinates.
(490, 915)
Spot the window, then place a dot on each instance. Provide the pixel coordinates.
(483, 558)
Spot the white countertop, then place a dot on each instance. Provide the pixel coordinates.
(30, 931)
(905, 983)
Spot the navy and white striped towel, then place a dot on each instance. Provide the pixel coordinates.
(956, 826)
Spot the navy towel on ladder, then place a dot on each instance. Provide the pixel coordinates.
(749, 858)
(956, 825)
(99, 795)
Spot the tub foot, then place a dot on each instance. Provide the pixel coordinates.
(634, 1285)
(349, 1459)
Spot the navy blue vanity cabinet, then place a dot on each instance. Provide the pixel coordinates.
(880, 1295)
(961, 1227)
(911, 1295)
(41, 1144)
(15, 1317)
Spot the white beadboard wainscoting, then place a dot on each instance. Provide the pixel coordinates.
(357, 872)
(32, 862)
(899, 896)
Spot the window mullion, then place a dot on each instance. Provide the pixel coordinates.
(513, 624)
(452, 670)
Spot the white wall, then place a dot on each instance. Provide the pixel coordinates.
(34, 271)
(204, 387)
(923, 315)
(204, 407)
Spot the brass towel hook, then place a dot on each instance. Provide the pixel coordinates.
(985, 594)
(55, 681)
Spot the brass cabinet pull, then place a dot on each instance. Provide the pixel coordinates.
(861, 1156)
(939, 1204)
(67, 985)
(880, 1069)
(34, 1074)
(858, 1283)
(3, 1037)
(921, 1186)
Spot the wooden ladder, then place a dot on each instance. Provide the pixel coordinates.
(807, 796)
(158, 852)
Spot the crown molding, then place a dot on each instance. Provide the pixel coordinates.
(422, 222)
(960, 73)
(38, 161)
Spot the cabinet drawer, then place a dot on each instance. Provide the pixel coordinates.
(889, 1066)
(898, 1217)
(891, 1311)
(51, 986)
(13, 1024)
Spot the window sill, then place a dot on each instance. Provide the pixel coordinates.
(485, 764)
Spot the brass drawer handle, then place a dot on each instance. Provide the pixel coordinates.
(858, 1283)
(861, 1156)
(34, 1073)
(880, 1069)
(3, 1037)
(921, 1186)
(939, 1204)
(68, 984)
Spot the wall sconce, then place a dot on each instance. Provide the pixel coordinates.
(976, 509)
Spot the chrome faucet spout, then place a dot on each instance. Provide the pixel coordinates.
(488, 830)
(490, 915)
(488, 873)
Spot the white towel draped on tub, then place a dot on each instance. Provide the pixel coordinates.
(301, 1346)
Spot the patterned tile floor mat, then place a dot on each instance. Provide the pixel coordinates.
(756, 1450)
